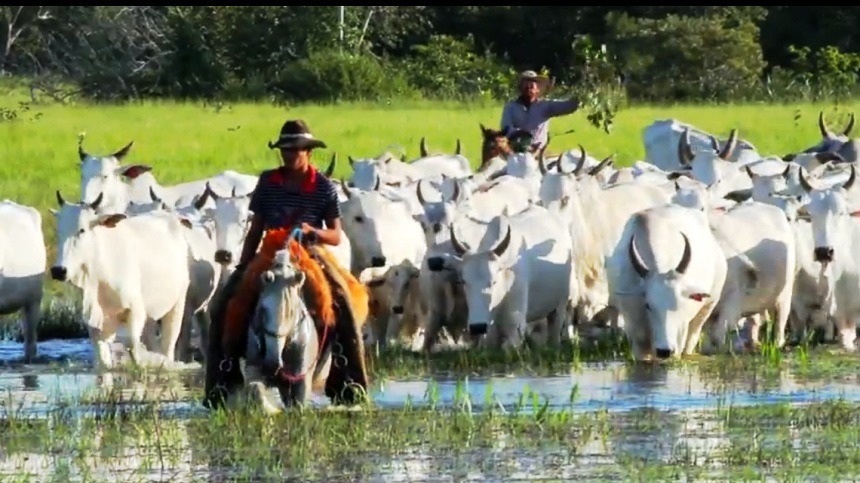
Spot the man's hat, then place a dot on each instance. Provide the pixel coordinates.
(296, 135)
(542, 80)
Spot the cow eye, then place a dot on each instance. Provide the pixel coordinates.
(359, 219)
(81, 231)
(437, 227)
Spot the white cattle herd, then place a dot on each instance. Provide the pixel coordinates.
(702, 239)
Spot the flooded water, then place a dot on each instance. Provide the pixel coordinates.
(64, 380)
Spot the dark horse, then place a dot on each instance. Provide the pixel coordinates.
(496, 144)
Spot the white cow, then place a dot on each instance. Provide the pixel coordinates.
(129, 269)
(408, 308)
(666, 275)
(760, 251)
(838, 143)
(516, 271)
(714, 167)
(204, 269)
(382, 231)
(368, 173)
(661, 140)
(104, 176)
(22, 267)
(835, 230)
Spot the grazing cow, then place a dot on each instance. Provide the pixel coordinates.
(835, 230)
(22, 267)
(666, 275)
(759, 246)
(661, 140)
(129, 269)
(382, 231)
(523, 275)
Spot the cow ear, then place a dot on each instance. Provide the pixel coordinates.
(134, 170)
(109, 221)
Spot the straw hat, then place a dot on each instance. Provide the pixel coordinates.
(542, 81)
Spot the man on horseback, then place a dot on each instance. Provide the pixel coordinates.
(297, 198)
(525, 120)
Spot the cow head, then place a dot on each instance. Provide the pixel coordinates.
(370, 174)
(488, 273)
(709, 166)
(402, 278)
(839, 143)
(438, 213)
(75, 244)
(829, 208)
(232, 217)
(371, 220)
(279, 314)
(104, 176)
(670, 301)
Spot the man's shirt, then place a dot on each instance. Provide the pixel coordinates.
(534, 118)
(314, 202)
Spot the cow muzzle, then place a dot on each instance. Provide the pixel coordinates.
(59, 273)
(663, 353)
(377, 262)
(436, 264)
(223, 256)
(823, 254)
(478, 328)
(397, 310)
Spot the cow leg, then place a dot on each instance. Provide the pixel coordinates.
(32, 316)
(102, 339)
(847, 333)
(392, 331)
(695, 328)
(554, 323)
(514, 329)
(171, 326)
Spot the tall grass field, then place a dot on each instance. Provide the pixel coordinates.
(186, 141)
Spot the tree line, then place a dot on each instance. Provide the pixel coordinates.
(296, 54)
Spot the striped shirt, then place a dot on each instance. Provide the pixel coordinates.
(281, 207)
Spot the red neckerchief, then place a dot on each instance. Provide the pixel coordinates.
(308, 184)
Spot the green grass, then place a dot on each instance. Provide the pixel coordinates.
(186, 141)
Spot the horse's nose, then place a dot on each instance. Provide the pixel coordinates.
(377, 262)
(824, 254)
(223, 256)
(58, 273)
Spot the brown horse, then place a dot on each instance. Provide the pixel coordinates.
(496, 144)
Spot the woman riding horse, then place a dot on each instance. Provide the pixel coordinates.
(294, 197)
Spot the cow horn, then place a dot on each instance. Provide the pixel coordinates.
(848, 184)
(124, 151)
(95, 204)
(458, 247)
(152, 195)
(499, 250)
(418, 192)
(83, 154)
(715, 144)
(685, 258)
(579, 164)
(403, 158)
(730, 145)
(822, 126)
(213, 194)
(803, 183)
(346, 190)
(849, 127)
(606, 162)
(787, 171)
(351, 161)
(423, 146)
(541, 165)
(635, 259)
(330, 170)
(60, 199)
(378, 182)
(685, 153)
(201, 200)
(459, 147)
(749, 172)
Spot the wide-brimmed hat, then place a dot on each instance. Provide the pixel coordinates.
(542, 80)
(296, 135)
